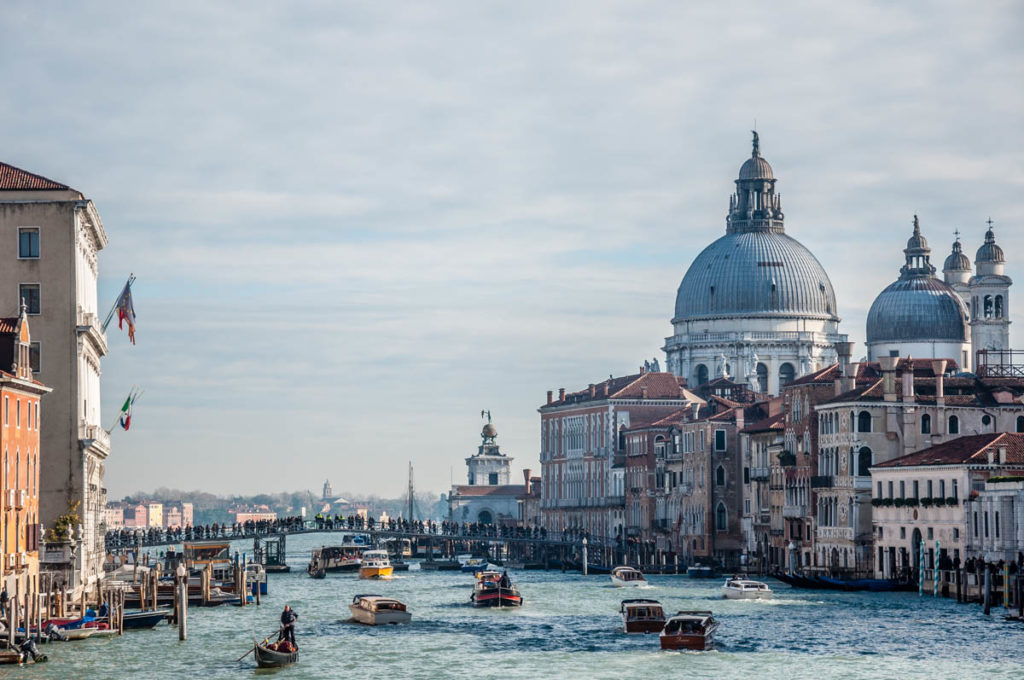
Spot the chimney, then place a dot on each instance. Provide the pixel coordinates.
(888, 366)
(991, 456)
(561, 394)
(696, 409)
(844, 350)
(740, 418)
(850, 376)
(593, 390)
(908, 380)
(643, 391)
(526, 476)
(604, 387)
(642, 370)
(939, 369)
(549, 396)
(1002, 455)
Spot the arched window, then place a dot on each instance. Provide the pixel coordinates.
(999, 306)
(954, 425)
(720, 476)
(926, 424)
(786, 373)
(988, 306)
(702, 374)
(864, 461)
(762, 378)
(1020, 423)
(721, 518)
(864, 422)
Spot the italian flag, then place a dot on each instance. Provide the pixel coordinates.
(126, 413)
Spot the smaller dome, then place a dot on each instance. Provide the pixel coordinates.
(756, 168)
(918, 309)
(957, 261)
(989, 251)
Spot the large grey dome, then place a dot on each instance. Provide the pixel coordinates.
(758, 273)
(918, 308)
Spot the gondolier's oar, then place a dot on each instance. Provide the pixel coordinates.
(252, 649)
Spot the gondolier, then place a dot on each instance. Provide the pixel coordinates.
(288, 618)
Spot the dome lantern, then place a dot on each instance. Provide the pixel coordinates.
(755, 206)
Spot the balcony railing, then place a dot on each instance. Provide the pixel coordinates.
(760, 474)
(822, 482)
(96, 434)
(794, 511)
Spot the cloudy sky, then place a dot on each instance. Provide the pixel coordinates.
(356, 224)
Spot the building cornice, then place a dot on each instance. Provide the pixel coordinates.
(91, 218)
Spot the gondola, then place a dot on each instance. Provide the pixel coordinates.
(269, 658)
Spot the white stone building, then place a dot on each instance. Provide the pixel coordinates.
(488, 498)
(755, 305)
(929, 500)
(50, 238)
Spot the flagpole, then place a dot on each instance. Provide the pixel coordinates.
(113, 308)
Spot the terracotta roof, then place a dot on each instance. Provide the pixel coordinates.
(776, 422)
(659, 386)
(505, 490)
(963, 390)
(8, 324)
(16, 179)
(656, 421)
(965, 450)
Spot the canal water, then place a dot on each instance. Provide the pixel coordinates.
(568, 628)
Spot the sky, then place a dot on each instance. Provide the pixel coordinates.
(356, 225)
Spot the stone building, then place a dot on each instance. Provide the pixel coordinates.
(755, 305)
(930, 500)
(761, 442)
(489, 497)
(50, 238)
(582, 447)
(996, 529)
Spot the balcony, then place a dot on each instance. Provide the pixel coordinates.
(93, 436)
(89, 325)
(794, 511)
(835, 533)
(760, 474)
(823, 482)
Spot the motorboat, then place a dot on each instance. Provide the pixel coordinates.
(144, 619)
(700, 571)
(256, 577)
(475, 565)
(624, 577)
(745, 589)
(642, 616)
(689, 630)
(345, 557)
(275, 654)
(376, 610)
(489, 591)
(375, 564)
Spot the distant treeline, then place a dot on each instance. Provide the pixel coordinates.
(208, 508)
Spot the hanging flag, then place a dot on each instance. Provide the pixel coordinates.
(126, 312)
(125, 417)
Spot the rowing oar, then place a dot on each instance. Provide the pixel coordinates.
(251, 649)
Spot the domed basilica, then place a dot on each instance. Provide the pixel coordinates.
(755, 306)
(954, 317)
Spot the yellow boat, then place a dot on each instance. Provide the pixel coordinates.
(375, 564)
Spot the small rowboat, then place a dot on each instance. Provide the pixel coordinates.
(269, 658)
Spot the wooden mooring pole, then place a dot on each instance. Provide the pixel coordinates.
(988, 590)
(181, 593)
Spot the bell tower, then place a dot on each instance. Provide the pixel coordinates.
(990, 298)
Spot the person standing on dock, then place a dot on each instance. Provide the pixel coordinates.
(288, 617)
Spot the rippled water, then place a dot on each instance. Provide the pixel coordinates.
(569, 628)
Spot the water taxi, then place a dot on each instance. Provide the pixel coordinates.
(344, 557)
(375, 610)
(744, 589)
(689, 630)
(375, 564)
(475, 565)
(642, 616)
(623, 577)
(491, 591)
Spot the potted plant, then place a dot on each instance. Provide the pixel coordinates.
(898, 502)
(951, 500)
(926, 502)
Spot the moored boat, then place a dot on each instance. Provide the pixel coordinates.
(376, 610)
(268, 656)
(642, 616)
(475, 565)
(624, 577)
(700, 571)
(495, 590)
(375, 564)
(142, 620)
(689, 630)
(745, 589)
